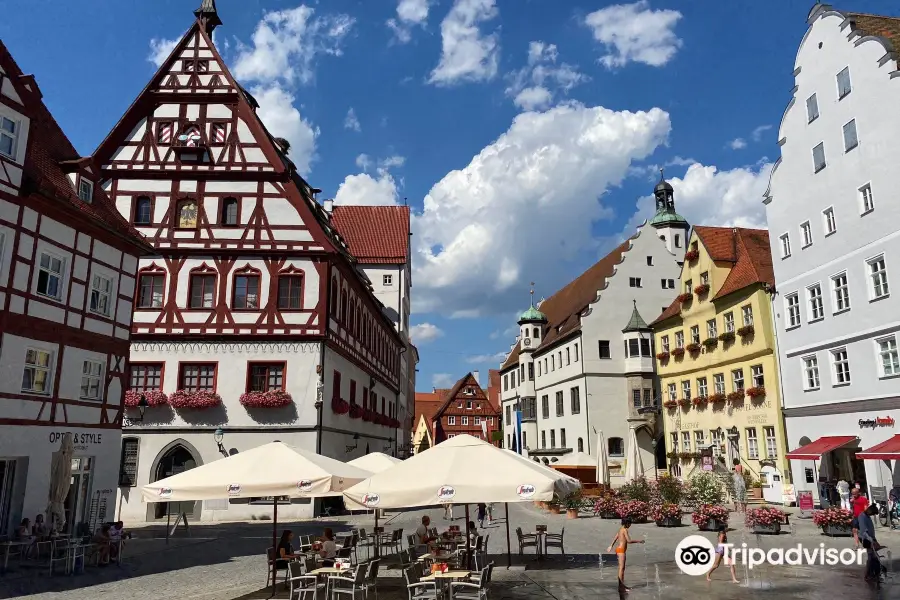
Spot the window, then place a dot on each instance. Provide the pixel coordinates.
(867, 203)
(477, 419)
(289, 292)
(508, 411)
(841, 293)
(645, 347)
(811, 372)
(737, 380)
(616, 446)
(649, 261)
(506, 382)
(679, 339)
(128, 463)
(387, 280)
(451, 420)
(695, 334)
(203, 291)
(562, 438)
(538, 370)
(699, 439)
(50, 276)
(686, 389)
(673, 393)
(530, 371)
(145, 377)
(219, 133)
(151, 290)
(828, 221)
(576, 352)
(771, 442)
(85, 190)
(545, 407)
(752, 444)
(819, 156)
(806, 232)
(887, 350)
(843, 82)
(729, 322)
(717, 436)
(648, 397)
(575, 398)
(677, 241)
(785, 245)
(164, 132)
(101, 294)
(840, 366)
(634, 282)
(580, 445)
(9, 133)
(878, 274)
(792, 302)
(560, 411)
(143, 211)
(465, 420)
(269, 377)
(568, 357)
(686, 441)
(186, 214)
(747, 314)
(702, 390)
(632, 348)
(689, 286)
(246, 292)
(604, 349)
(812, 108)
(553, 438)
(543, 439)
(229, 217)
(756, 372)
(674, 442)
(636, 398)
(667, 284)
(851, 140)
(711, 332)
(814, 294)
(36, 377)
(664, 342)
(201, 377)
(91, 378)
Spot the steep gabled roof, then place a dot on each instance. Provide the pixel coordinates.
(427, 403)
(374, 234)
(563, 307)
(886, 28)
(467, 379)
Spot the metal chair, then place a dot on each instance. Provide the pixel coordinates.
(465, 590)
(555, 540)
(305, 543)
(420, 590)
(301, 586)
(341, 586)
(488, 571)
(59, 553)
(365, 541)
(371, 580)
(395, 543)
(270, 560)
(526, 540)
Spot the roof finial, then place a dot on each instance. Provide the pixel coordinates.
(532, 293)
(208, 15)
(662, 175)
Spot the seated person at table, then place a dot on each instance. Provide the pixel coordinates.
(285, 551)
(117, 532)
(23, 534)
(422, 532)
(40, 527)
(101, 541)
(329, 548)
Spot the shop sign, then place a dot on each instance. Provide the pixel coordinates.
(805, 500)
(876, 422)
(525, 491)
(371, 500)
(787, 494)
(81, 440)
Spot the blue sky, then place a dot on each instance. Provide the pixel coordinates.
(525, 134)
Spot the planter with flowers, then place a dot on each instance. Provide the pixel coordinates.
(765, 520)
(678, 352)
(691, 255)
(710, 343)
(340, 406)
(152, 397)
(671, 454)
(709, 517)
(684, 298)
(726, 337)
(834, 521)
(666, 515)
(636, 510)
(684, 403)
(756, 392)
(736, 397)
(572, 502)
(356, 411)
(670, 403)
(606, 505)
(693, 348)
(270, 399)
(662, 356)
(195, 400)
(702, 289)
(717, 398)
(700, 401)
(746, 330)
(367, 415)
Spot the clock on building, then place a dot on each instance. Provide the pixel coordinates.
(527, 342)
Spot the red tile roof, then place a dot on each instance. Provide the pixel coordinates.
(427, 404)
(563, 307)
(374, 234)
(48, 146)
(887, 28)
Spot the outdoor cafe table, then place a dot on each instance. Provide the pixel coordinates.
(328, 572)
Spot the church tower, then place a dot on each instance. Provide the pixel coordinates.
(671, 227)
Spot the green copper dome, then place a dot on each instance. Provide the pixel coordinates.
(532, 314)
(666, 217)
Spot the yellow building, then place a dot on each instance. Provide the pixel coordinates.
(717, 362)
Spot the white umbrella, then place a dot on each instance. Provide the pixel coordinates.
(634, 468)
(568, 480)
(602, 460)
(60, 480)
(576, 460)
(374, 462)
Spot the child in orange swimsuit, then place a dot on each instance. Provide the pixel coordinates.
(622, 539)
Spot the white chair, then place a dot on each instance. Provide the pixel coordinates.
(371, 580)
(270, 556)
(420, 590)
(349, 586)
(59, 554)
(487, 571)
(465, 590)
(367, 542)
(301, 586)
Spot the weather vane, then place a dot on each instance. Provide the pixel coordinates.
(532, 293)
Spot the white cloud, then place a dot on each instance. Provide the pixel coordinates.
(391, 162)
(737, 144)
(351, 122)
(286, 43)
(160, 49)
(757, 133)
(424, 333)
(528, 201)
(410, 13)
(466, 53)
(533, 86)
(651, 172)
(363, 162)
(282, 119)
(363, 189)
(442, 380)
(635, 33)
(497, 357)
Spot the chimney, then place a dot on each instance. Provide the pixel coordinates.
(475, 375)
(328, 205)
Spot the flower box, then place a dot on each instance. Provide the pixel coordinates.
(355, 410)
(662, 356)
(669, 522)
(735, 397)
(609, 515)
(717, 398)
(195, 400)
(670, 403)
(726, 337)
(684, 298)
(691, 255)
(746, 330)
(693, 348)
(711, 525)
(700, 401)
(834, 521)
(765, 520)
(702, 289)
(270, 399)
(666, 514)
(756, 392)
(605, 506)
(684, 403)
(774, 529)
(340, 406)
(709, 517)
(837, 530)
(711, 343)
(689, 455)
(367, 415)
(153, 398)
(671, 454)
(636, 510)
(678, 352)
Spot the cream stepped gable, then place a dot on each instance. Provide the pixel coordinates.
(67, 281)
(833, 216)
(583, 361)
(253, 321)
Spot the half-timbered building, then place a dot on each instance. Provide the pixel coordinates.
(253, 320)
(67, 280)
(466, 409)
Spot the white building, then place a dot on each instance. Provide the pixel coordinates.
(835, 244)
(254, 321)
(583, 362)
(67, 268)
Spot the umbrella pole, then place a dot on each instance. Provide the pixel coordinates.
(274, 543)
(468, 539)
(508, 551)
(377, 539)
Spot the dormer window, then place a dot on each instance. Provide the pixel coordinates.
(9, 133)
(85, 190)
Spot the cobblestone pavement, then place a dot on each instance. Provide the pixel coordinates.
(225, 562)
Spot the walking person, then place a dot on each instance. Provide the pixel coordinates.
(870, 543)
(843, 489)
(482, 514)
(720, 555)
(490, 512)
(858, 505)
(621, 542)
(448, 512)
(740, 489)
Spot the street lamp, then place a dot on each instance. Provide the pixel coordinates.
(219, 435)
(141, 406)
(355, 443)
(653, 442)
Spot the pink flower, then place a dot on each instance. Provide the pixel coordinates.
(707, 512)
(270, 399)
(195, 400)
(153, 398)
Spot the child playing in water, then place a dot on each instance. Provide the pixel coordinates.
(720, 554)
(622, 539)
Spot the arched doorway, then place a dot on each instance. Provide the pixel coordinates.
(174, 460)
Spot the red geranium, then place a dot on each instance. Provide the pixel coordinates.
(196, 400)
(153, 398)
(270, 399)
(355, 410)
(340, 406)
